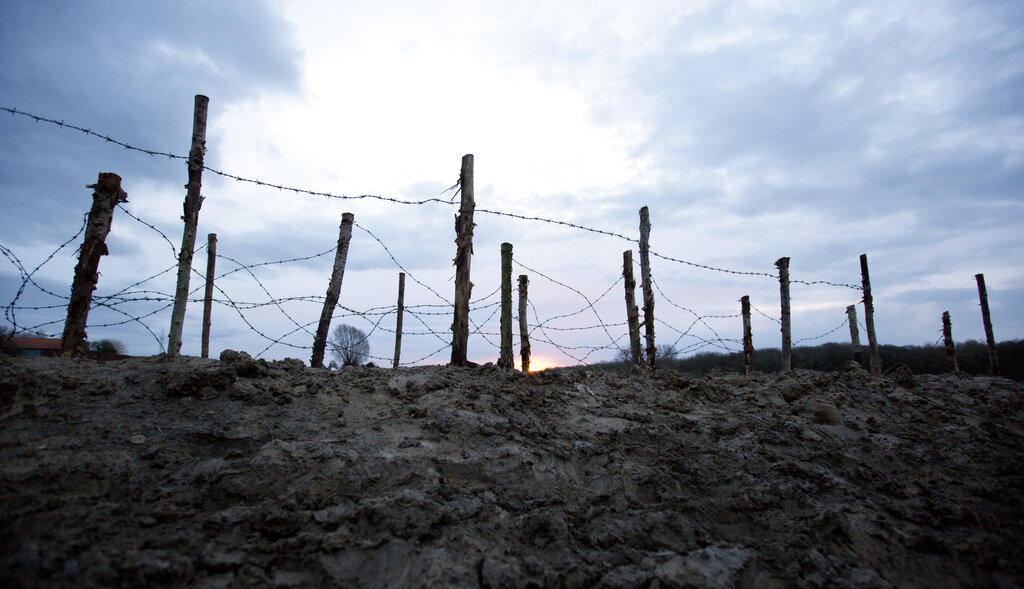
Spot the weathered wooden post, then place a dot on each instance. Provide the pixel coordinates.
(748, 340)
(193, 201)
(398, 321)
(505, 359)
(524, 329)
(947, 336)
(869, 316)
(333, 291)
(993, 358)
(463, 257)
(632, 312)
(211, 264)
(648, 288)
(787, 338)
(106, 194)
(851, 318)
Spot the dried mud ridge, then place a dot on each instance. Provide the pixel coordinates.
(242, 473)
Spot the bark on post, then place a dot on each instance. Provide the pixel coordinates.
(947, 336)
(333, 291)
(993, 358)
(106, 194)
(398, 321)
(748, 340)
(463, 256)
(632, 312)
(787, 337)
(211, 264)
(524, 330)
(648, 288)
(851, 318)
(505, 360)
(869, 316)
(193, 201)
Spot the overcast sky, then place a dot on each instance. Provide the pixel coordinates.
(752, 130)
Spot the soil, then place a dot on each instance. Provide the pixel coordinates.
(242, 473)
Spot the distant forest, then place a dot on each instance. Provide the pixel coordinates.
(972, 357)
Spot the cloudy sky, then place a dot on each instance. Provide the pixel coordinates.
(752, 130)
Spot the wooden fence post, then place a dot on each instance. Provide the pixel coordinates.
(993, 358)
(748, 340)
(787, 337)
(632, 312)
(106, 194)
(505, 359)
(333, 291)
(851, 318)
(193, 201)
(947, 336)
(211, 264)
(648, 288)
(463, 256)
(524, 329)
(398, 321)
(869, 316)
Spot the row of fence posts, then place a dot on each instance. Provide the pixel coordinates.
(107, 193)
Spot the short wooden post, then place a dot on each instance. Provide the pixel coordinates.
(869, 316)
(648, 288)
(851, 318)
(748, 340)
(632, 312)
(524, 329)
(947, 336)
(787, 337)
(993, 358)
(333, 291)
(463, 257)
(398, 321)
(211, 264)
(106, 194)
(505, 359)
(193, 201)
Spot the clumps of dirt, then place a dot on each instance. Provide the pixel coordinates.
(241, 472)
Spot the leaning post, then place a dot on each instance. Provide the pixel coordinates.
(648, 288)
(193, 201)
(463, 257)
(947, 336)
(632, 312)
(211, 264)
(993, 358)
(106, 194)
(524, 329)
(333, 291)
(748, 340)
(851, 318)
(505, 359)
(787, 337)
(869, 316)
(398, 321)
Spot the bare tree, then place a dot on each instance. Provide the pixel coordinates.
(349, 345)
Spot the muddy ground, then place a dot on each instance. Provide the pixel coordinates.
(242, 473)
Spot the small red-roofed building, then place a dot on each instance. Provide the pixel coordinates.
(36, 346)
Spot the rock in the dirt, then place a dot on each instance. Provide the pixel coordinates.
(825, 413)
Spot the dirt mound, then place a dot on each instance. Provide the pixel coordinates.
(157, 471)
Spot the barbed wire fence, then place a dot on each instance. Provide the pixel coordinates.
(143, 301)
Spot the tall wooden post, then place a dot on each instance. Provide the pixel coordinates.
(398, 321)
(748, 340)
(524, 329)
(505, 359)
(632, 313)
(947, 336)
(106, 194)
(211, 264)
(869, 316)
(851, 318)
(993, 358)
(463, 256)
(193, 201)
(648, 288)
(333, 291)
(787, 337)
